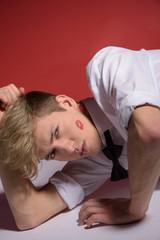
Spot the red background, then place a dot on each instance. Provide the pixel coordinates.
(46, 44)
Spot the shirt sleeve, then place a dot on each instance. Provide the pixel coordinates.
(68, 188)
(81, 177)
(122, 79)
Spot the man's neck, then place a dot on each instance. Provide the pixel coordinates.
(84, 111)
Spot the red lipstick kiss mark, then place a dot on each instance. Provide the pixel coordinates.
(79, 124)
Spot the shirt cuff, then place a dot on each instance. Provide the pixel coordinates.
(68, 188)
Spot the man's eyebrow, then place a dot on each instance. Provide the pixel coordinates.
(51, 135)
(50, 141)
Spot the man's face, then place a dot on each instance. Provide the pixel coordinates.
(66, 135)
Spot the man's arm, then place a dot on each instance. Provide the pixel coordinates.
(143, 157)
(144, 171)
(30, 207)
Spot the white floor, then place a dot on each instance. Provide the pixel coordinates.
(64, 226)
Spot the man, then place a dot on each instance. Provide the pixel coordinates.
(125, 85)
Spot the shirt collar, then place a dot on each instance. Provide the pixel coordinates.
(99, 118)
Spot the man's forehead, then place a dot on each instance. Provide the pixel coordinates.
(43, 131)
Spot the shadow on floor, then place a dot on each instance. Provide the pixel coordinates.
(6, 218)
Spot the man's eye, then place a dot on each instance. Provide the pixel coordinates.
(57, 132)
(52, 155)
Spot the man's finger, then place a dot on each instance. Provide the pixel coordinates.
(89, 211)
(22, 90)
(98, 218)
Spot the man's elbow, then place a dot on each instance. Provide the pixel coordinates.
(144, 125)
(147, 134)
(24, 225)
(150, 136)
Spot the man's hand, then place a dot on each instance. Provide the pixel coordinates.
(7, 96)
(108, 211)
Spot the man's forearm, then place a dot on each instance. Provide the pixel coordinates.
(17, 190)
(143, 157)
(30, 207)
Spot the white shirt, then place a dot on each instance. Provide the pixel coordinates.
(82, 177)
(120, 80)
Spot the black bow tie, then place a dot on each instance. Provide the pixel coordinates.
(113, 152)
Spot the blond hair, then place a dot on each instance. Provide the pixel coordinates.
(17, 145)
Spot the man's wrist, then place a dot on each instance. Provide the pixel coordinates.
(137, 209)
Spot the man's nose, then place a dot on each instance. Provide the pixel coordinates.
(65, 145)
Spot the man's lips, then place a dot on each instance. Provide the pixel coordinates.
(84, 149)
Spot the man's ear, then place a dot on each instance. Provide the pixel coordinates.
(66, 102)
